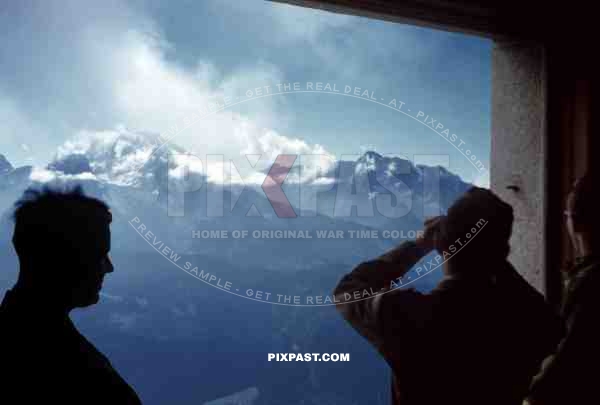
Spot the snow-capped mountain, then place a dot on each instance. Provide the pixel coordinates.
(120, 157)
(132, 172)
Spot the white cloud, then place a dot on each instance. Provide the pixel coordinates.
(271, 144)
(119, 70)
(285, 26)
(151, 93)
(114, 155)
(45, 176)
(184, 164)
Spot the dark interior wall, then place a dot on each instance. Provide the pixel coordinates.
(573, 119)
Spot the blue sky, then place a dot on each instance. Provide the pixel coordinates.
(70, 66)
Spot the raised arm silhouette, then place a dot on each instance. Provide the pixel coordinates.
(479, 336)
(62, 239)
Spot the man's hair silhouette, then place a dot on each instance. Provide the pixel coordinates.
(62, 238)
(480, 225)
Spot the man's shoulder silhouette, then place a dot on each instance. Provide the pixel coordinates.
(62, 240)
(46, 358)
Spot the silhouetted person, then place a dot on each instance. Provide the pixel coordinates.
(570, 375)
(62, 240)
(479, 336)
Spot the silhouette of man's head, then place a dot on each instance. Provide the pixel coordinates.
(62, 239)
(582, 214)
(479, 224)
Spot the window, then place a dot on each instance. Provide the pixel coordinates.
(252, 153)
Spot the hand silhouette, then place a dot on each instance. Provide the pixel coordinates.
(433, 234)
